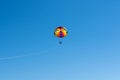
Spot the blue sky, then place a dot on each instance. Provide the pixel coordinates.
(29, 50)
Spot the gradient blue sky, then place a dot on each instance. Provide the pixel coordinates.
(91, 51)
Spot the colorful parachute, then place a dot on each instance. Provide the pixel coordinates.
(60, 32)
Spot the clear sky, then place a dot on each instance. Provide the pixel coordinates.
(30, 51)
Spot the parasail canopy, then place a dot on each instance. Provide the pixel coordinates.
(60, 32)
